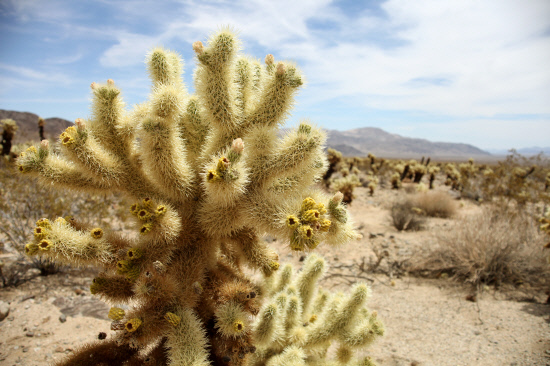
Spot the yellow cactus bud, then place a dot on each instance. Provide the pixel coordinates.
(45, 245)
(313, 318)
(44, 223)
(132, 325)
(40, 232)
(123, 266)
(67, 140)
(134, 253)
(147, 202)
(134, 208)
(161, 210)
(321, 208)
(223, 164)
(274, 265)
(145, 228)
(143, 214)
(325, 225)
(172, 318)
(31, 249)
(311, 215)
(31, 149)
(212, 176)
(97, 233)
(305, 231)
(238, 326)
(308, 204)
(61, 220)
(116, 313)
(292, 221)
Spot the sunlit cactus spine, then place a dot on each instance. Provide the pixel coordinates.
(209, 176)
(9, 128)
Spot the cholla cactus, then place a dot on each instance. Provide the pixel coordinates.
(432, 171)
(346, 185)
(41, 124)
(9, 127)
(297, 324)
(209, 176)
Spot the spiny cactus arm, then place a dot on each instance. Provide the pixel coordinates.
(163, 150)
(337, 319)
(277, 95)
(186, 343)
(306, 281)
(321, 331)
(283, 279)
(99, 353)
(108, 119)
(364, 333)
(293, 314)
(225, 178)
(291, 356)
(81, 147)
(267, 326)
(342, 226)
(59, 241)
(215, 87)
(232, 321)
(159, 225)
(247, 79)
(112, 288)
(165, 67)
(51, 168)
(256, 253)
(194, 130)
(296, 154)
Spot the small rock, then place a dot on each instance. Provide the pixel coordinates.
(11, 318)
(477, 332)
(372, 235)
(30, 334)
(33, 272)
(63, 318)
(25, 349)
(60, 349)
(4, 310)
(78, 291)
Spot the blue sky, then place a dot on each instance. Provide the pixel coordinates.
(467, 71)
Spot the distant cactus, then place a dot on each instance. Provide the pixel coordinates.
(346, 185)
(41, 124)
(209, 176)
(9, 127)
(334, 158)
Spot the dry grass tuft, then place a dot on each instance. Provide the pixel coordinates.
(435, 204)
(405, 217)
(494, 247)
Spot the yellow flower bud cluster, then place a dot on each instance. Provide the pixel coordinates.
(221, 172)
(308, 225)
(68, 137)
(147, 212)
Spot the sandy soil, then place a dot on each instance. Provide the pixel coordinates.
(428, 322)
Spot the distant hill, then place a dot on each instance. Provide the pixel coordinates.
(357, 142)
(362, 141)
(28, 126)
(526, 151)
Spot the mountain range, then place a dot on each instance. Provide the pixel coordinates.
(356, 142)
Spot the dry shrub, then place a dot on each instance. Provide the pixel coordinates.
(404, 216)
(495, 247)
(435, 204)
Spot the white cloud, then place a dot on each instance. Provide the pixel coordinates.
(130, 50)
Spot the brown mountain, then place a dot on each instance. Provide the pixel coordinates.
(28, 126)
(356, 142)
(381, 143)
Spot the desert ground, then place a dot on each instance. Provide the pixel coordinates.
(428, 321)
